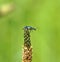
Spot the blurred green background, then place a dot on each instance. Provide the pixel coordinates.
(42, 14)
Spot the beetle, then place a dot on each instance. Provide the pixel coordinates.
(29, 28)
